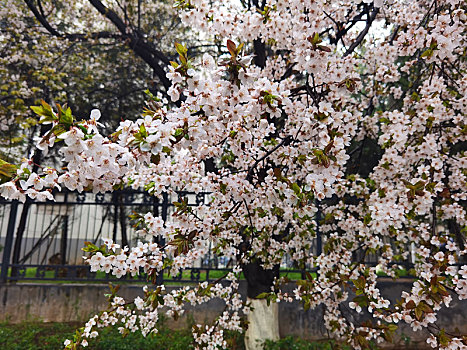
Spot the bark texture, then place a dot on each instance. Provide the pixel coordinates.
(263, 324)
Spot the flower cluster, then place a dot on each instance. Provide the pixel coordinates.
(283, 141)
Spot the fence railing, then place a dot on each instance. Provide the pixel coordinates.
(43, 240)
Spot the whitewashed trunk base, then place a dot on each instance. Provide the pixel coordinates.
(263, 324)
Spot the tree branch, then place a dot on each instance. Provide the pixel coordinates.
(137, 43)
(42, 20)
(371, 17)
(97, 35)
(286, 141)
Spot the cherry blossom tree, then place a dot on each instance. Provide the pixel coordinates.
(276, 131)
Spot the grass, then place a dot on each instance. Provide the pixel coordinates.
(52, 276)
(293, 343)
(50, 336)
(29, 336)
(59, 276)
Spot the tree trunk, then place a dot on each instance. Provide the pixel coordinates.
(263, 324)
(263, 320)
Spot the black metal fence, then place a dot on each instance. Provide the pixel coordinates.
(43, 240)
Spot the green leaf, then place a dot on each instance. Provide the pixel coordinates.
(426, 308)
(45, 111)
(58, 129)
(418, 313)
(223, 188)
(7, 171)
(181, 50)
(178, 132)
(367, 219)
(142, 131)
(360, 282)
(66, 117)
(150, 94)
(316, 38)
(38, 110)
(262, 296)
(296, 188)
(427, 53)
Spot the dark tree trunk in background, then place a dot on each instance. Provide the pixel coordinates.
(260, 53)
(258, 279)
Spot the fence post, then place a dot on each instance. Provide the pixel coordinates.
(9, 241)
(64, 241)
(165, 207)
(319, 239)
